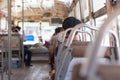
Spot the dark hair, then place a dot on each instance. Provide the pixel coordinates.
(16, 29)
(19, 28)
(57, 30)
(70, 22)
(13, 28)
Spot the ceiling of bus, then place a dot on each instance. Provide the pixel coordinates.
(36, 9)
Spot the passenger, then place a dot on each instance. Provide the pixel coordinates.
(52, 49)
(46, 44)
(16, 29)
(41, 39)
(53, 45)
(70, 22)
(27, 52)
(55, 36)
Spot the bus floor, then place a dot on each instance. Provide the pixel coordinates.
(39, 71)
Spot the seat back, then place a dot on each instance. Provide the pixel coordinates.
(77, 49)
(76, 69)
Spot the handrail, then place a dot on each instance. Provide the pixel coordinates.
(62, 44)
(60, 36)
(115, 37)
(64, 35)
(86, 26)
(116, 45)
(90, 67)
(72, 34)
(9, 40)
(70, 38)
(91, 27)
(76, 27)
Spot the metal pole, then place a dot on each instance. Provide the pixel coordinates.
(118, 34)
(81, 14)
(22, 32)
(90, 11)
(9, 40)
(92, 6)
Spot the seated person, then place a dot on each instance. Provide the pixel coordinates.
(71, 22)
(68, 22)
(52, 48)
(27, 56)
(27, 52)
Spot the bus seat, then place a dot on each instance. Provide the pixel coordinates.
(104, 71)
(79, 49)
(76, 50)
(67, 56)
(76, 70)
(109, 71)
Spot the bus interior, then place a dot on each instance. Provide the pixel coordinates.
(58, 56)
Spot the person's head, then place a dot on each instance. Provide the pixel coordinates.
(58, 29)
(16, 29)
(70, 22)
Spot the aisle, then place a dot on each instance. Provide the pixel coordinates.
(39, 71)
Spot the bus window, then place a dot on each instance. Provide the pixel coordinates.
(98, 4)
(100, 20)
(77, 9)
(85, 8)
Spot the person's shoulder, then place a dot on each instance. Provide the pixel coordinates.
(56, 36)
